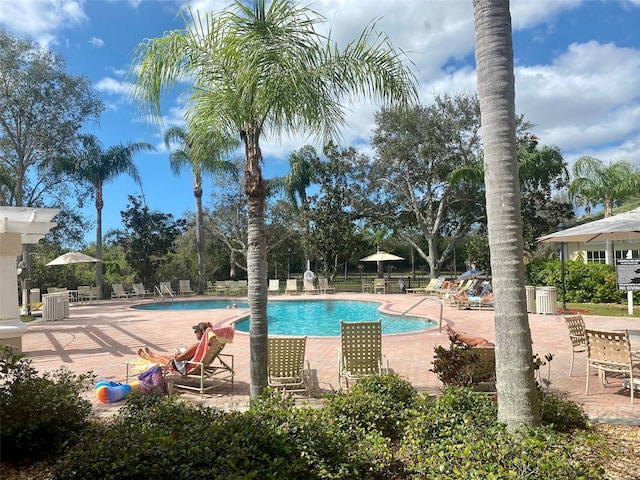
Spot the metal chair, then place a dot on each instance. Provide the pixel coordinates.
(610, 351)
(575, 324)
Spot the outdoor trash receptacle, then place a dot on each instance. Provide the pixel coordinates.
(546, 300)
(531, 298)
(34, 297)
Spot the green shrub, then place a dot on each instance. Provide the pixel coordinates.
(456, 436)
(560, 413)
(584, 282)
(39, 414)
(170, 438)
(379, 402)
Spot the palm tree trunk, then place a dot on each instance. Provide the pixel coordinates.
(99, 206)
(197, 192)
(256, 263)
(517, 405)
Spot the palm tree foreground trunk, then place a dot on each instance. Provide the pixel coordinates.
(515, 382)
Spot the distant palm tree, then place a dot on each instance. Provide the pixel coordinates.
(604, 184)
(515, 382)
(213, 163)
(295, 185)
(258, 72)
(96, 166)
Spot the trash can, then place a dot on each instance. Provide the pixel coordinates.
(531, 298)
(546, 298)
(35, 295)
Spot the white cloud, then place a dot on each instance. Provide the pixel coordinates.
(96, 42)
(42, 19)
(112, 86)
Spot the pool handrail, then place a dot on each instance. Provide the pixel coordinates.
(437, 300)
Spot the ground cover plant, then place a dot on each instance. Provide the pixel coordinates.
(381, 429)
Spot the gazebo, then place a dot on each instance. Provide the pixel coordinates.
(18, 226)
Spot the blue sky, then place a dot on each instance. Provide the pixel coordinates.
(577, 72)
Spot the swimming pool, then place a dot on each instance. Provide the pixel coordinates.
(315, 318)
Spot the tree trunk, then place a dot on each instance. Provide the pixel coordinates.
(99, 206)
(517, 405)
(197, 192)
(256, 263)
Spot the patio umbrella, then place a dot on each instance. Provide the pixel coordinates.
(72, 257)
(624, 226)
(471, 274)
(381, 256)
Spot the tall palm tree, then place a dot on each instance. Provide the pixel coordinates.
(213, 163)
(295, 185)
(515, 383)
(604, 184)
(259, 71)
(96, 166)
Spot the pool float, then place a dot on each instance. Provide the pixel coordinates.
(110, 392)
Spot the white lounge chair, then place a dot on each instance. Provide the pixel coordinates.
(274, 286)
(185, 287)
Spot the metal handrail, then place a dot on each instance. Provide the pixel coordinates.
(437, 300)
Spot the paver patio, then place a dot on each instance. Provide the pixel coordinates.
(101, 337)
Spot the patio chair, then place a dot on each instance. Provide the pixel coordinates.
(140, 292)
(308, 286)
(324, 287)
(274, 286)
(243, 287)
(360, 353)
(483, 368)
(292, 287)
(185, 287)
(610, 351)
(233, 287)
(575, 324)
(287, 368)
(222, 287)
(379, 285)
(118, 291)
(208, 365)
(84, 293)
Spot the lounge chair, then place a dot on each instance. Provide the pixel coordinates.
(308, 286)
(287, 368)
(140, 292)
(430, 287)
(166, 289)
(185, 287)
(324, 287)
(207, 365)
(233, 287)
(118, 292)
(360, 353)
(274, 286)
(211, 287)
(292, 287)
(222, 288)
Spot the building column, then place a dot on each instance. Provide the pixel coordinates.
(11, 328)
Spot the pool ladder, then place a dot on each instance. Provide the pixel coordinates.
(159, 291)
(437, 300)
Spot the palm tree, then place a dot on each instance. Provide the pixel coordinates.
(212, 163)
(515, 384)
(604, 184)
(295, 185)
(259, 71)
(96, 166)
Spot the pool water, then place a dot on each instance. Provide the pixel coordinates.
(315, 318)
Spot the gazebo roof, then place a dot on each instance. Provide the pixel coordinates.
(32, 223)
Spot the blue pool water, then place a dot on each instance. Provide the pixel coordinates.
(315, 318)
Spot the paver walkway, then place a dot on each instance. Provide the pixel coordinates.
(100, 338)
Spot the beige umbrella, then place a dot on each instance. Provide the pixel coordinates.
(72, 257)
(623, 226)
(381, 256)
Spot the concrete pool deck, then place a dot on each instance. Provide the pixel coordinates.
(101, 337)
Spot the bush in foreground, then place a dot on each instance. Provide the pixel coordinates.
(39, 414)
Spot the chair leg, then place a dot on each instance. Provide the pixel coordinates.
(571, 366)
(586, 390)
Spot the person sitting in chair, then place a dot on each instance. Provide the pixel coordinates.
(470, 340)
(179, 360)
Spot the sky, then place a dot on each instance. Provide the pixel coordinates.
(577, 70)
